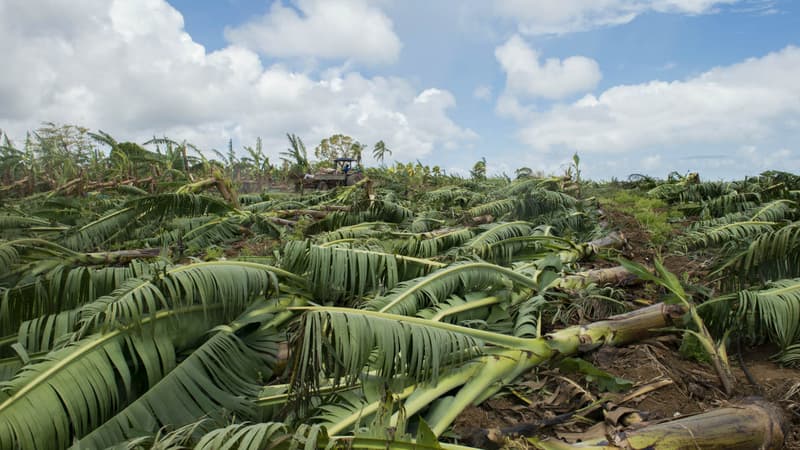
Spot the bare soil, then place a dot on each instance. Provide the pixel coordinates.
(692, 386)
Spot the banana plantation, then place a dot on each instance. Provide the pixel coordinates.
(153, 297)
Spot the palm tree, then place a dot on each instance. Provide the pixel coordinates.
(380, 151)
(297, 159)
(261, 168)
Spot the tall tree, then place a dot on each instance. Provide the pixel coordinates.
(380, 150)
(338, 146)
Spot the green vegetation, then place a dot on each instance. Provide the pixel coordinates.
(652, 214)
(153, 298)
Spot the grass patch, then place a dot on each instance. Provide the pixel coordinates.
(652, 214)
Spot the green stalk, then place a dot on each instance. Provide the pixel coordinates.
(487, 374)
(495, 368)
(505, 365)
(106, 217)
(43, 245)
(411, 259)
(537, 238)
(265, 401)
(424, 395)
(475, 304)
(366, 411)
(610, 275)
(47, 229)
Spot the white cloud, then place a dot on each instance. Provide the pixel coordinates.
(553, 79)
(536, 17)
(483, 92)
(130, 69)
(334, 29)
(509, 106)
(668, 66)
(753, 101)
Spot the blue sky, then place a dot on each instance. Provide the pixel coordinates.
(634, 86)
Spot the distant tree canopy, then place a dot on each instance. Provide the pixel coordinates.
(339, 146)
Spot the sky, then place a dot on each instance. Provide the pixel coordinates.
(632, 86)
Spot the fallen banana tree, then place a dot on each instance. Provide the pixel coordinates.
(617, 276)
(218, 181)
(423, 360)
(753, 424)
(29, 250)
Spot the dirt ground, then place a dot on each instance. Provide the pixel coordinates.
(682, 386)
(686, 387)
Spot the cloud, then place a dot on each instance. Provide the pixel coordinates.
(752, 101)
(508, 106)
(536, 17)
(759, 7)
(483, 92)
(551, 79)
(329, 29)
(130, 69)
(668, 66)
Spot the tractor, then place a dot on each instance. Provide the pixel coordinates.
(345, 172)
